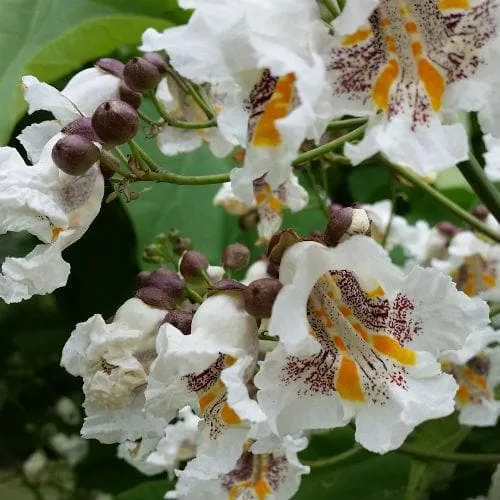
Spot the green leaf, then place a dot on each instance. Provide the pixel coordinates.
(444, 434)
(150, 490)
(50, 38)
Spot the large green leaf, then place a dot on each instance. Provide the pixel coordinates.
(50, 38)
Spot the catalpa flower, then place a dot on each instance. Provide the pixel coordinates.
(113, 360)
(477, 376)
(473, 265)
(269, 203)
(208, 370)
(55, 207)
(172, 140)
(275, 474)
(266, 69)
(360, 339)
(411, 61)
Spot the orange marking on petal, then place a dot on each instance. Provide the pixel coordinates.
(390, 347)
(416, 49)
(262, 489)
(348, 384)
(376, 292)
(361, 331)
(360, 35)
(469, 288)
(383, 84)
(205, 401)
(345, 311)
(391, 43)
(433, 81)
(229, 360)
(266, 133)
(488, 279)
(453, 4)
(275, 204)
(385, 21)
(340, 343)
(411, 27)
(229, 416)
(56, 231)
(463, 394)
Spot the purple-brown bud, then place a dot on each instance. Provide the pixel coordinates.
(480, 212)
(182, 320)
(115, 122)
(81, 126)
(157, 60)
(447, 229)
(260, 295)
(226, 285)
(130, 96)
(166, 280)
(110, 65)
(155, 297)
(75, 154)
(236, 256)
(141, 75)
(193, 264)
(338, 223)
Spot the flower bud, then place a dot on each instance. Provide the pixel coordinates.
(157, 60)
(226, 286)
(166, 280)
(130, 96)
(75, 154)
(182, 320)
(447, 229)
(193, 264)
(260, 295)
(140, 74)
(142, 278)
(155, 297)
(115, 122)
(110, 65)
(338, 223)
(181, 245)
(235, 257)
(480, 212)
(81, 126)
(279, 243)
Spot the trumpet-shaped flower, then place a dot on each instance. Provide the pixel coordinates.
(477, 376)
(359, 339)
(268, 202)
(411, 61)
(208, 370)
(269, 75)
(274, 474)
(113, 360)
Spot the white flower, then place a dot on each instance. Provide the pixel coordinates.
(208, 370)
(359, 339)
(72, 448)
(67, 410)
(473, 265)
(154, 456)
(55, 207)
(492, 157)
(173, 140)
(266, 69)
(113, 360)
(268, 203)
(412, 62)
(273, 474)
(477, 374)
(256, 271)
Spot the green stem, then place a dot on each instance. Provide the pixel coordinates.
(186, 180)
(147, 119)
(449, 456)
(178, 123)
(391, 217)
(140, 154)
(479, 182)
(417, 181)
(335, 460)
(348, 123)
(494, 310)
(114, 166)
(329, 146)
(317, 194)
(194, 296)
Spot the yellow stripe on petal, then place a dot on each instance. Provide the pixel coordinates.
(359, 36)
(348, 384)
(383, 83)
(266, 133)
(206, 400)
(229, 416)
(463, 394)
(56, 231)
(453, 4)
(390, 347)
(433, 81)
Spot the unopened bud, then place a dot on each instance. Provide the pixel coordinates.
(75, 154)
(81, 126)
(141, 75)
(155, 297)
(166, 280)
(142, 278)
(447, 229)
(130, 96)
(157, 60)
(227, 285)
(235, 257)
(193, 264)
(182, 320)
(115, 122)
(360, 222)
(338, 223)
(181, 245)
(111, 65)
(279, 243)
(260, 295)
(480, 212)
